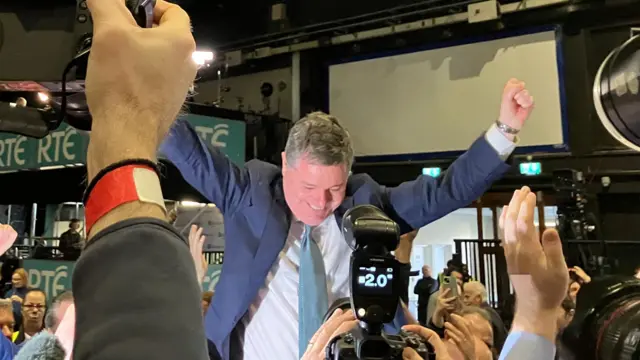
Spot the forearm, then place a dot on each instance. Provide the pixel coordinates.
(136, 282)
(118, 146)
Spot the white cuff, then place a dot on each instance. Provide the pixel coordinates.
(499, 142)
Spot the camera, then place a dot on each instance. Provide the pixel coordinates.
(63, 101)
(606, 324)
(375, 288)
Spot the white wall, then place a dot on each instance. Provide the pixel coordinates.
(442, 99)
(247, 88)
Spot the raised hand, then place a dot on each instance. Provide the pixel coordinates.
(8, 236)
(458, 332)
(537, 270)
(516, 105)
(196, 242)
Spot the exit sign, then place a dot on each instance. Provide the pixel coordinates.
(433, 172)
(531, 168)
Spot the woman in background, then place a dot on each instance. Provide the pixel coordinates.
(17, 292)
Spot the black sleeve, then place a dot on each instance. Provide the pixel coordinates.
(404, 270)
(137, 296)
(437, 330)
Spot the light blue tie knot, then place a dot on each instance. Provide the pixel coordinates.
(312, 290)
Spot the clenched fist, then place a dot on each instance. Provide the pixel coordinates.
(516, 105)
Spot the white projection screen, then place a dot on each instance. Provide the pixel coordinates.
(440, 100)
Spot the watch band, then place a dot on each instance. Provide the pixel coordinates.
(119, 186)
(506, 128)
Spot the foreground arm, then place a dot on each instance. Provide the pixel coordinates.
(527, 346)
(125, 288)
(419, 202)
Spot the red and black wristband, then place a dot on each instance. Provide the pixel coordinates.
(121, 183)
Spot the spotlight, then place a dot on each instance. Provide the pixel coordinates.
(43, 97)
(202, 57)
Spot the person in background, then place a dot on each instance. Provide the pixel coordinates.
(433, 299)
(19, 288)
(578, 277)
(475, 294)
(56, 311)
(71, 241)
(7, 320)
(33, 310)
(565, 314)
(424, 288)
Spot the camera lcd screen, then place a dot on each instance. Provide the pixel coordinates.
(375, 281)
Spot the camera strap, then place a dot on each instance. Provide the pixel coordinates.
(119, 184)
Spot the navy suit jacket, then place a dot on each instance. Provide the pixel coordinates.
(257, 218)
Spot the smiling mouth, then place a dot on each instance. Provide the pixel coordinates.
(316, 208)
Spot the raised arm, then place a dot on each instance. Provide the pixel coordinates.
(205, 167)
(426, 199)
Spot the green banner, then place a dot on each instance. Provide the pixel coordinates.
(211, 278)
(52, 277)
(65, 146)
(68, 146)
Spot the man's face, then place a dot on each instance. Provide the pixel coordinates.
(313, 191)
(426, 272)
(75, 226)
(7, 322)
(33, 307)
(17, 281)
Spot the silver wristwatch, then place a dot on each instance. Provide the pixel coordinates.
(506, 128)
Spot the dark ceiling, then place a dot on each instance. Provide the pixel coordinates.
(223, 22)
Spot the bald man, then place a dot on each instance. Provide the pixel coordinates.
(424, 288)
(475, 294)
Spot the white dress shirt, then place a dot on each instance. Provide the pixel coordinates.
(271, 324)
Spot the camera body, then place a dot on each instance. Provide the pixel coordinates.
(375, 288)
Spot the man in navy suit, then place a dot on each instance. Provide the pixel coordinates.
(272, 214)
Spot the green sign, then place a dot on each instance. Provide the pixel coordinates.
(65, 146)
(68, 146)
(211, 278)
(52, 277)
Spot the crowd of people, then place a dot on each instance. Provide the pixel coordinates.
(137, 285)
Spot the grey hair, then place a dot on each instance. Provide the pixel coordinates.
(6, 304)
(479, 287)
(322, 139)
(51, 319)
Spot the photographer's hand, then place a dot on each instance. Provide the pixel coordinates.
(581, 274)
(432, 338)
(459, 334)
(137, 80)
(339, 323)
(537, 270)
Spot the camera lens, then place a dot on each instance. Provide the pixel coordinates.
(619, 330)
(606, 325)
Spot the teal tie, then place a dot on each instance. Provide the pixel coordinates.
(312, 290)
